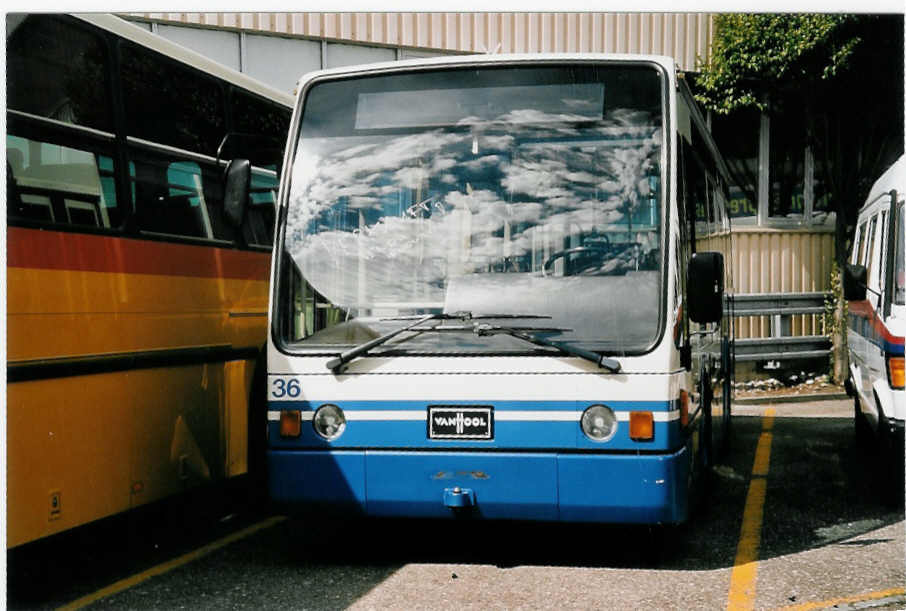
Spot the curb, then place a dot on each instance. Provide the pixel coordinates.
(791, 398)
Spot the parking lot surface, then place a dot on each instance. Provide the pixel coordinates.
(798, 517)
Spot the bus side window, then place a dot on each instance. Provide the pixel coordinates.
(258, 228)
(882, 250)
(860, 245)
(170, 198)
(60, 185)
(268, 123)
(56, 69)
(899, 259)
(56, 80)
(697, 195)
(869, 251)
(262, 127)
(170, 103)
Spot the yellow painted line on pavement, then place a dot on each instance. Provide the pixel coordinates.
(743, 579)
(826, 604)
(160, 569)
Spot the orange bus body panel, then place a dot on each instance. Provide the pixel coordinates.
(83, 446)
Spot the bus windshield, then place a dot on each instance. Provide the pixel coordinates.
(504, 189)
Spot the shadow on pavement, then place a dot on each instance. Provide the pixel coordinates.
(822, 490)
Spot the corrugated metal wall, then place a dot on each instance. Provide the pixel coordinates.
(683, 36)
(780, 260)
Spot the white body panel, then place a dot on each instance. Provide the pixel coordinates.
(476, 379)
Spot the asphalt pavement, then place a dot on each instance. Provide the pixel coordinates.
(828, 535)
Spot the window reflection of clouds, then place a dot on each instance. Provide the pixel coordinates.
(392, 218)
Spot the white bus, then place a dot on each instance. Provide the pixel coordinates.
(486, 298)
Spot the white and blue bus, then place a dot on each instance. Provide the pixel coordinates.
(486, 296)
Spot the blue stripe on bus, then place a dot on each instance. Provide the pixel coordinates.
(876, 332)
(508, 434)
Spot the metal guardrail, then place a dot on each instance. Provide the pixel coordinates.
(766, 304)
(780, 305)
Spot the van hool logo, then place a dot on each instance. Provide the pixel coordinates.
(460, 422)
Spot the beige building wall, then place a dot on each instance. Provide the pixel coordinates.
(683, 36)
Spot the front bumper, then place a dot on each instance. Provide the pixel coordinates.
(548, 486)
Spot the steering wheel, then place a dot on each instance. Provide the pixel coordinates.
(593, 248)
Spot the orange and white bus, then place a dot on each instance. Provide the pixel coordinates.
(136, 309)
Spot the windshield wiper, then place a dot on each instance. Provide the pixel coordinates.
(335, 363)
(600, 360)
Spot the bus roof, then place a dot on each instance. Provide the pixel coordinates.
(127, 30)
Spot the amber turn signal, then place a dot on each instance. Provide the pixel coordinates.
(895, 371)
(641, 426)
(290, 423)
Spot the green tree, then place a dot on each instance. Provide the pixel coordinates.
(841, 74)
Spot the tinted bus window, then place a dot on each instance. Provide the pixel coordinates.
(696, 185)
(58, 175)
(265, 120)
(58, 70)
(172, 196)
(860, 248)
(899, 273)
(54, 184)
(869, 254)
(263, 128)
(258, 228)
(171, 104)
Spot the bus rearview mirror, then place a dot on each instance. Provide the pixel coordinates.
(706, 287)
(237, 182)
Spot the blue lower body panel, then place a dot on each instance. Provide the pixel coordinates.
(615, 488)
(650, 489)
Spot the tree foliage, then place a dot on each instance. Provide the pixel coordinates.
(841, 75)
(755, 58)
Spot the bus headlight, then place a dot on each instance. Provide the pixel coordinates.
(599, 423)
(329, 422)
